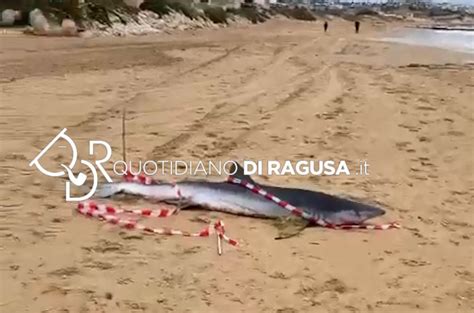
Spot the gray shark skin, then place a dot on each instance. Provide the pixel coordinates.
(235, 199)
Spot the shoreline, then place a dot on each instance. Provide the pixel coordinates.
(447, 28)
(408, 35)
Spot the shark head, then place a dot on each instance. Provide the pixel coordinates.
(332, 209)
(356, 215)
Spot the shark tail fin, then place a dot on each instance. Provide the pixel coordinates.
(239, 173)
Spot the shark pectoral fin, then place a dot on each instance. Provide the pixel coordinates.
(181, 203)
(290, 226)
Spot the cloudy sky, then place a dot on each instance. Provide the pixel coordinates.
(457, 1)
(471, 2)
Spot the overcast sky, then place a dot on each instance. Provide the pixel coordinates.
(456, 1)
(471, 2)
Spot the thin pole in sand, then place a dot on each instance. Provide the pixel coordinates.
(219, 244)
(124, 147)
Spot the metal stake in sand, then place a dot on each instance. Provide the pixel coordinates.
(124, 147)
(219, 245)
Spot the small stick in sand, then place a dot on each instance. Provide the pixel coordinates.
(124, 147)
(219, 244)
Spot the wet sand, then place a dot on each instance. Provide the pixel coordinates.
(281, 90)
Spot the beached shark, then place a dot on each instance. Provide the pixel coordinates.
(231, 198)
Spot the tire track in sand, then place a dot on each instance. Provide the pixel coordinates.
(279, 114)
(252, 92)
(94, 117)
(225, 147)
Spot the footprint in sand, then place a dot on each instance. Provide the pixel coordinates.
(99, 265)
(426, 108)
(211, 135)
(402, 145)
(66, 271)
(465, 275)
(455, 133)
(124, 281)
(287, 310)
(333, 285)
(105, 246)
(410, 128)
(414, 263)
(424, 139)
(395, 282)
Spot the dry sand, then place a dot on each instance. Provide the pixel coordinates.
(281, 90)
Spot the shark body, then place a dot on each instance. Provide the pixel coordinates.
(230, 198)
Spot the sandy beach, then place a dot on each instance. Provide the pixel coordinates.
(282, 90)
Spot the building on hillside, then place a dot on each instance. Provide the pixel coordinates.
(133, 3)
(416, 2)
(263, 3)
(235, 4)
(222, 3)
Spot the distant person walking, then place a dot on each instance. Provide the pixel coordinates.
(326, 25)
(357, 26)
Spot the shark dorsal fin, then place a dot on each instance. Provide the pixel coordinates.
(239, 173)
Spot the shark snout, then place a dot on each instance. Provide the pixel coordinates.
(354, 216)
(370, 212)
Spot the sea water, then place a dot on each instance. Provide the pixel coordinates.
(458, 40)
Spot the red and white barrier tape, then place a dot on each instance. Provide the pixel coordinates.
(109, 214)
(298, 212)
(139, 178)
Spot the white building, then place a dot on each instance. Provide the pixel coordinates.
(133, 3)
(263, 3)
